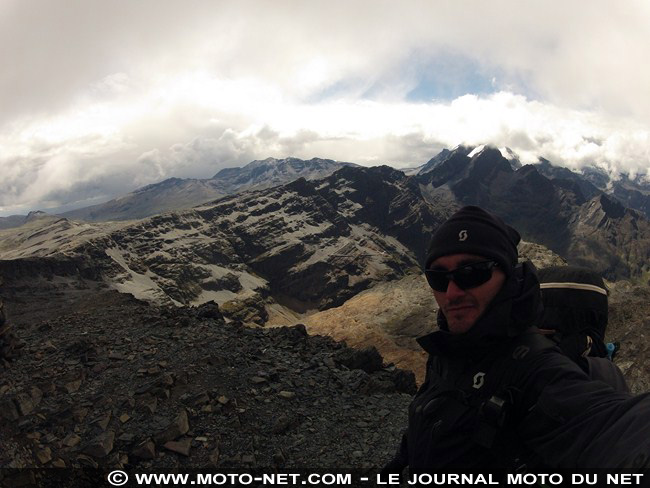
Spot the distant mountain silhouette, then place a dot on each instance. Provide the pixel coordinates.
(178, 193)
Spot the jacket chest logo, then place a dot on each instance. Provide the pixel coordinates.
(479, 380)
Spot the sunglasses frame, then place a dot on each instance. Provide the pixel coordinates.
(457, 277)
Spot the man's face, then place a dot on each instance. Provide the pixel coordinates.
(462, 308)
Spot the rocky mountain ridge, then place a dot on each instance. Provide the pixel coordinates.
(632, 192)
(591, 181)
(314, 244)
(563, 212)
(175, 194)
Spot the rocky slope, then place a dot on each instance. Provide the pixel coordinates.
(629, 312)
(104, 380)
(49, 236)
(611, 238)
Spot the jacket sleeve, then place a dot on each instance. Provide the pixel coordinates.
(603, 369)
(571, 421)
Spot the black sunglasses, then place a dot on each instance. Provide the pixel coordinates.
(468, 276)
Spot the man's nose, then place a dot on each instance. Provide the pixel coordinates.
(454, 291)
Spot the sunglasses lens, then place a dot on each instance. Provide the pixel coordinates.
(465, 277)
(471, 277)
(437, 279)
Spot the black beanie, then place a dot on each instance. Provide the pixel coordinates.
(472, 230)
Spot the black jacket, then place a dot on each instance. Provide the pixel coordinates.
(501, 395)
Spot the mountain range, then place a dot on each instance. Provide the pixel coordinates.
(318, 242)
(284, 255)
(179, 193)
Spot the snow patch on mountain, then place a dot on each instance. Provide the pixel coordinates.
(141, 286)
(476, 151)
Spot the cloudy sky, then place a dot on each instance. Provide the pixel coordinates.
(100, 97)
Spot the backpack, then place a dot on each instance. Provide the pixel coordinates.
(575, 306)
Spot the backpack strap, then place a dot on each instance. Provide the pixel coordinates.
(498, 405)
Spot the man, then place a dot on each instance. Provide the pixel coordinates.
(497, 394)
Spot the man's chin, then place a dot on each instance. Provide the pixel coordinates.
(459, 329)
(461, 323)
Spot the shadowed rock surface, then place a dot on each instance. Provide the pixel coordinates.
(106, 380)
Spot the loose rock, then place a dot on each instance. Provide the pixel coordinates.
(179, 426)
(181, 447)
(145, 450)
(101, 445)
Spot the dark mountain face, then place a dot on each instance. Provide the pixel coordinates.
(448, 170)
(387, 200)
(612, 238)
(569, 179)
(523, 198)
(443, 156)
(632, 193)
(549, 205)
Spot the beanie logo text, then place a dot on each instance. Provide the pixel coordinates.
(462, 236)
